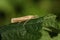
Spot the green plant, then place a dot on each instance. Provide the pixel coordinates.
(34, 29)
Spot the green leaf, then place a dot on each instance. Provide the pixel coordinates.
(30, 29)
(22, 31)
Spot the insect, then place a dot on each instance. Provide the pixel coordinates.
(24, 18)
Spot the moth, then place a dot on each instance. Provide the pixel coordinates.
(24, 18)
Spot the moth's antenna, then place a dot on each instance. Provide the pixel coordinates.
(25, 22)
(34, 17)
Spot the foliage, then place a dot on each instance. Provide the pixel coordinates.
(13, 8)
(42, 28)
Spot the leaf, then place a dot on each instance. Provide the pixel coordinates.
(30, 29)
(22, 31)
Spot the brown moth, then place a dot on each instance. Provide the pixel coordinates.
(24, 18)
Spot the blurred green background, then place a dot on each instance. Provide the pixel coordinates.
(16, 8)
